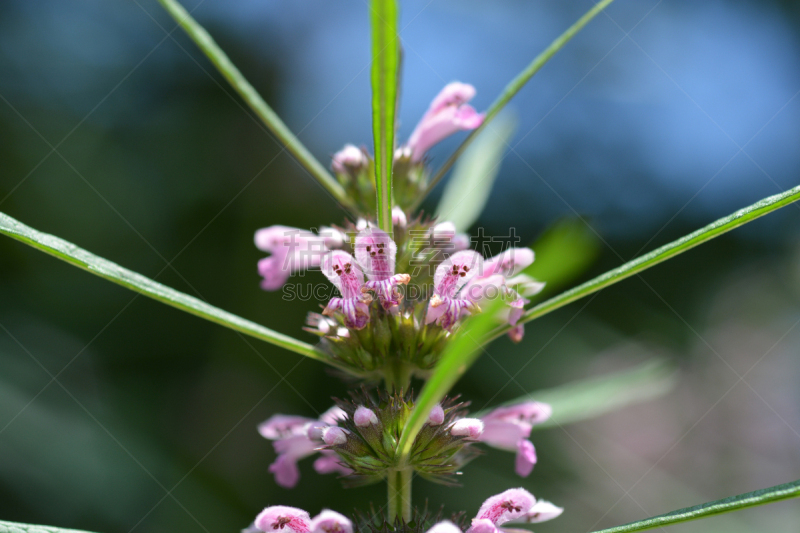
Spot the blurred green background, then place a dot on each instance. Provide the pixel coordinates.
(119, 414)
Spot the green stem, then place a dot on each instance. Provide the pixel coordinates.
(220, 60)
(397, 375)
(399, 486)
(512, 89)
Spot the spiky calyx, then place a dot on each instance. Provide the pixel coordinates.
(421, 521)
(367, 442)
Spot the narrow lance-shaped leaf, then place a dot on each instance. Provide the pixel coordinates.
(384, 75)
(459, 355)
(221, 61)
(734, 503)
(514, 87)
(596, 396)
(16, 527)
(468, 189)
(98, 266)
(715, 229)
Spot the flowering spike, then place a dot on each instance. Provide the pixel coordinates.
(467, 427)
(506, 506)
(331, 522)
(343, 271)
(436, 417)
(364, 417)
(279, 517)
(334, 435)
(447, 114)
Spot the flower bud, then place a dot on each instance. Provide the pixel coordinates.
(348, 160)
(467, 427)
(334, 436)
(364, 417)
(445, 526)
(436, 417)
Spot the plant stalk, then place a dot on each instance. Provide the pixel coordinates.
(270, 119)
(512, 89)
(399, 485)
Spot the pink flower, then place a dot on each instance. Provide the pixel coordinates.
(328, 463)
(279, 517)
(541, 511)
(331, 522)
(508, 428)
(343, 271)
(447, 114)
(513, 505)
(349, 160)
(375, 252)
(506, 506)
(451, 275)
(292, 250)
(501, 277)
(295, 437)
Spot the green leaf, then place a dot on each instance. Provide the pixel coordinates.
(384, 75)
(563, 252)
(514, 87)
(221, 61)
(726, 505)
(98, 266)
(596, 396)
(715, 229)
(459, 355)
(14, 527)
(468, 189)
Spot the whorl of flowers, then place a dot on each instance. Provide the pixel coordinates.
(399, 297)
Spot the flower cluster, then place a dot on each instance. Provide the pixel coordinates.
(401, 293)
(357, 439)
(509, 507)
